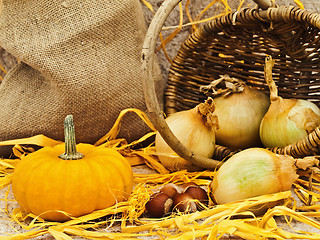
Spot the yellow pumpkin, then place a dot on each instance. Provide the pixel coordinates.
(57, 180)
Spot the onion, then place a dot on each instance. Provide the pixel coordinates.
(255, 172)
(240, 110)
(287, 120)
(195, 128)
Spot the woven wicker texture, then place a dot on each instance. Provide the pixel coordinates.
(236, 44)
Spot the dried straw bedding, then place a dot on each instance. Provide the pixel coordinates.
(293, 220)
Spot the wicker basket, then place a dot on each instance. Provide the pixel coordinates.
(236, 44)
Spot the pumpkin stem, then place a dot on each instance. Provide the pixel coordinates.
(70, 141)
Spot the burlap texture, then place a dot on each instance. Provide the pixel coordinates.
(79, 57)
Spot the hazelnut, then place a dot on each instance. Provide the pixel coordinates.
(184, 186)
(184, 202)
(187, 184)
(159, 205)
(198, 193)
(170, 189)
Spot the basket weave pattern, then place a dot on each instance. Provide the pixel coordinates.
(237, 44)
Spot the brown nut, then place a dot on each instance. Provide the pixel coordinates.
(184, 202)
(159, 205)
(170, 189)
(198, 193)
(184, 186)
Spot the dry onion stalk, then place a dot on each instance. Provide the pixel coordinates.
(195, 128)
(287, 120)
(240, 110)
(255, 172)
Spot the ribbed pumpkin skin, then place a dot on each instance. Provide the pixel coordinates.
(43, 183)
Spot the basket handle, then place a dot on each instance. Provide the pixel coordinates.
(263, 4)
(155, 112)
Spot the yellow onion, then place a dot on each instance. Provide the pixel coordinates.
(240, 110)
(195, 128)
(255, 172)
(287, 120)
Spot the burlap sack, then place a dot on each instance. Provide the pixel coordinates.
(79, 57)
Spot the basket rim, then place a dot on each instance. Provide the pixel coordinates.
(282, 13)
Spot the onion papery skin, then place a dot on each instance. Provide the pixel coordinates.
(240, 115)
(253, 172)
(192, 130)
(288, 121)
